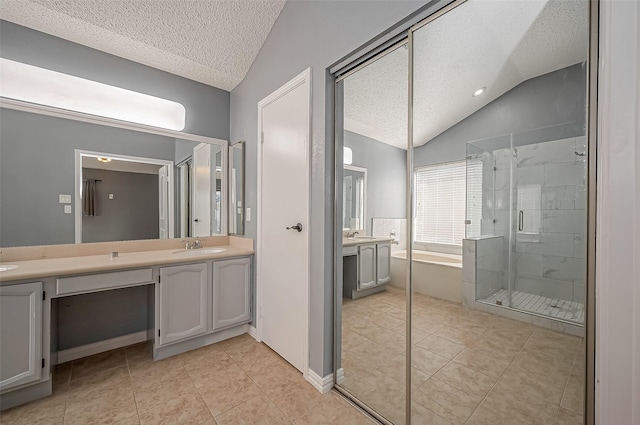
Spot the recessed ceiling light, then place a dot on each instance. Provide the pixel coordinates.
(479, 91)
(103, 159)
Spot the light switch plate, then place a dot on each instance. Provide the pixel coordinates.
(247, 216)
(64, 199)
(111, 196)
(67, 209)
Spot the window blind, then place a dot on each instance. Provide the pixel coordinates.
(441, 202)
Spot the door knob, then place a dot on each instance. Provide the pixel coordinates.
(196, 220)
(297, 227)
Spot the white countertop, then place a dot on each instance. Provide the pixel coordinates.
(52, 267)
(363, 240)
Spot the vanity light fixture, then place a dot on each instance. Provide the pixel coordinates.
(103, 159)
(347, 156)
(41, 86)
(479, 91)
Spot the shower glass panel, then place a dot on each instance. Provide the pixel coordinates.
(370, 301)
(534, 210)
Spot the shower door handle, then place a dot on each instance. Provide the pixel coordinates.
(521, 220)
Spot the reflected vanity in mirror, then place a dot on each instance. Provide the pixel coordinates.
(68, 180)
(236, 188)
(354, 199)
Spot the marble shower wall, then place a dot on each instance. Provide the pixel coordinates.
(550, 261)
(547, 181)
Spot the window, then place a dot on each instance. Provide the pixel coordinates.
(360, 202)
(441, 192)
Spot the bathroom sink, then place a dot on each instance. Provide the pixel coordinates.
(7, 267)
(201, 251)
(364, 237)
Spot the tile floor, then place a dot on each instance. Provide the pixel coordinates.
(238, 381)
(468, 367)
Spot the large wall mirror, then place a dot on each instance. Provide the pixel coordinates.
(67, 180)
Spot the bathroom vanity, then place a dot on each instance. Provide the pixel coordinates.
(196, 297)
(366, 265)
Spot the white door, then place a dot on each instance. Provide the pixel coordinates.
(163, 207)
(202, 190)
(283, 254)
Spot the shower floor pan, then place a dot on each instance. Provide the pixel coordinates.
(551, 307)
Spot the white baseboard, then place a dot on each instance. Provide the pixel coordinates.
(340, 376)
(253, 332)
(101, 346)
(324, 385)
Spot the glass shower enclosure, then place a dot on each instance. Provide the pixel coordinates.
(526, 212)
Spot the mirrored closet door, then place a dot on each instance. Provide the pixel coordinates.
(487, 198)
(372, 324)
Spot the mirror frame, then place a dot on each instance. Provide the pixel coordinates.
(109, 122)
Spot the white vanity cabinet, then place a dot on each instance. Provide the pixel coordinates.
(383, 252)
(183, 302)
(366, 266)
(21, 359)
(231, 292)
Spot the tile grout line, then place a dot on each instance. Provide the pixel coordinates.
(499, 378)
(135, 399)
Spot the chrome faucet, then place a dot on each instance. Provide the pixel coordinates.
(392, 235)
(352, 235)
(196, 244)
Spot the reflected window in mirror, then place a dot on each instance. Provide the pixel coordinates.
(354, 199)
(236, 188)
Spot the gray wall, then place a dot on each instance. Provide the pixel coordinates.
(312, 34)
(548, 100)
(386, 176)
(37, 165)
(207, 107)
(132, 214)
(85, 319)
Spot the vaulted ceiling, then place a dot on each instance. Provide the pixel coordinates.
(495, 44)
(213, 42)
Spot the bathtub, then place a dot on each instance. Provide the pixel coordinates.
(434, 274)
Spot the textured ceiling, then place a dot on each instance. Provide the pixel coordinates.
(213, 42)
(482, 43)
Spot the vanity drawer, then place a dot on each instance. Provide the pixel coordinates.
(102, 281)
(349, 250)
